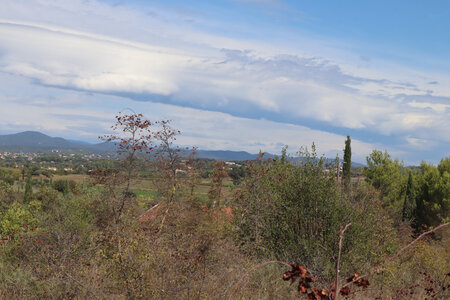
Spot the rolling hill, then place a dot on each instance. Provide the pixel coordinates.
(34, 141)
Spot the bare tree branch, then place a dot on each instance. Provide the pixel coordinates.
(341, 238)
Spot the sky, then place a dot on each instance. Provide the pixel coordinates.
(234, 74)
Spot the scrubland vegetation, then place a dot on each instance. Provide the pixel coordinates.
(159, 223)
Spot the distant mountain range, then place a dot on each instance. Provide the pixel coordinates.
(34, 141)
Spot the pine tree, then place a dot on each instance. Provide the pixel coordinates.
(28, 189)
(347, 163)
(409, 199)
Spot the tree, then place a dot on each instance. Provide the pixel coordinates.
(284, 154)
(432, 198)
(347, 164)
(66, 188)
(237, 173)
(193, 174)
(168, 161)
(28, 189)
(408, 205)
(292, 211)
(387, 176)
(444, 165)
(285, 210)
(218, 176)
(135, 137)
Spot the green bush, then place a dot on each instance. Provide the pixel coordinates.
(293, 210)
(19, 218)
(6, 195)
(287, 210)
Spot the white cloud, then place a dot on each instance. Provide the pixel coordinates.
(297, 87)
(220, 132)
(421, 143)
(93, 47)
(62, 59)
(438, 107)
(74, 115)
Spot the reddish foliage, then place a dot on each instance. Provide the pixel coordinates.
(360, 282)
(345, 291)
(140, 138)
(297, 271)
(305, 280)
(317, 294)
(300, 272)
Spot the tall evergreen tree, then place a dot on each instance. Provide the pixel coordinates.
(408, 205)
(66, 188)
(432, 196)
(347, 163)
(28, 189)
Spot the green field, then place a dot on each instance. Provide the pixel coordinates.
(147, 193)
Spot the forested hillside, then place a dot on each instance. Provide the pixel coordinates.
(159, 224)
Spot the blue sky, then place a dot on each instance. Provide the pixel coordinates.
(234, 74)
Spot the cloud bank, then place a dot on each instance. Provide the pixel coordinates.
(81, 46)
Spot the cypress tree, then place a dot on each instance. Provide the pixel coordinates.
(338, 168)
(28, 190)
(409, 199)
(347, 163)
(419, 214)
(66, 188)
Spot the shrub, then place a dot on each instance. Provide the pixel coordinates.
(293, 210)
(288, 208)
(19, 218)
